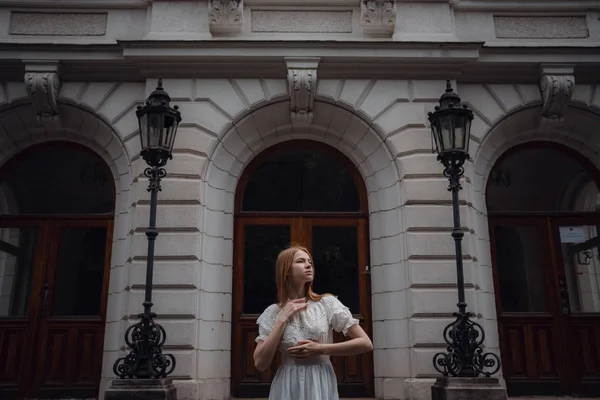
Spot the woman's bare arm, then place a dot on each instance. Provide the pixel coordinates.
(359, 343)
(265, 350)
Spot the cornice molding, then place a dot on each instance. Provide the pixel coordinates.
(136, 60)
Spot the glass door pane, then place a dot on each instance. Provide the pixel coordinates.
(262, 244)
(581, 262)
(335, 253)
(520, 267)
(79, 271)
(18, 248)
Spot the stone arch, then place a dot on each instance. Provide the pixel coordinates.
(576, 132)
(359, 140)
(100, 116)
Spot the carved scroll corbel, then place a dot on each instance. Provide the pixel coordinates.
(302, 87)
(226, 16)
(378, 17)
(556, 85)
(42, 83)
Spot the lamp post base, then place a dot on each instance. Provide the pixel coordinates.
(468, 389)
(141, 389)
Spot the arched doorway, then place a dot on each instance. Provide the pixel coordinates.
(56, 217)
(306, 193)
(543, 205)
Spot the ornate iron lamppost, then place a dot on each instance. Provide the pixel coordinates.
(451, 133)
(158, 123)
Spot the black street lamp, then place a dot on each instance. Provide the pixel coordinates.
(451, 133)
(158, 123)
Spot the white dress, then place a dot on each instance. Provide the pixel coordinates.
(310, 378)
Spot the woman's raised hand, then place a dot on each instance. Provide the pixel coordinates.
(290, 308)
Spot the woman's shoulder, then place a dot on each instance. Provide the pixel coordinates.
(268, 314)
(328, 299)
(272, 308)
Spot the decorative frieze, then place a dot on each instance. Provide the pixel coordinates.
(556, 84)
(378, 17)
(57, 24)
(42, 82)
(541, 27)
(226, 16)
(302, 86)
(299, 21)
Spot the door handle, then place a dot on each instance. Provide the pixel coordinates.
(45, 299)
(564, 297)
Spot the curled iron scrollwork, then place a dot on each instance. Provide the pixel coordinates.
(145, 360)
(453, 170)
(154, 175)
(464, 355)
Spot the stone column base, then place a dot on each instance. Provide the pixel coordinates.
(141, 389)
(468, 389)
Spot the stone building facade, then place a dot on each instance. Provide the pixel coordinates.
(257, 78)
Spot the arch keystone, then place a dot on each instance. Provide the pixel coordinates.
(302, 86)
(556, 84)
(42, 83)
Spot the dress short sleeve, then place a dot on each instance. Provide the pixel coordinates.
(266, 321)
(340, 317)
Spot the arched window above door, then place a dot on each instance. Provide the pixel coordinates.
(301, 177)
(57, 178)
(541, 179)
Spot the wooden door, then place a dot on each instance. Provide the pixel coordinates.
(577, 260)
(23, 249)
(528, 315)
(56, 351)
(340, 251)
(547, 283)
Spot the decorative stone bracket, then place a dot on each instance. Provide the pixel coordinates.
(226, 17)
(302, 86)
(42, 82)
(556, 84)
(378, 17)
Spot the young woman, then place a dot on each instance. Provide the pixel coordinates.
(300, 326)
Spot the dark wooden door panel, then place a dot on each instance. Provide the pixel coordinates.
(70, 356)
(12, 349)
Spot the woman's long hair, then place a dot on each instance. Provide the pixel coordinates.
(285, 259)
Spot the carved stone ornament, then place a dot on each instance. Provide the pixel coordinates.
(226, 16)
(42, 83)
(302, 86)
(378, 17)
(556, 85)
